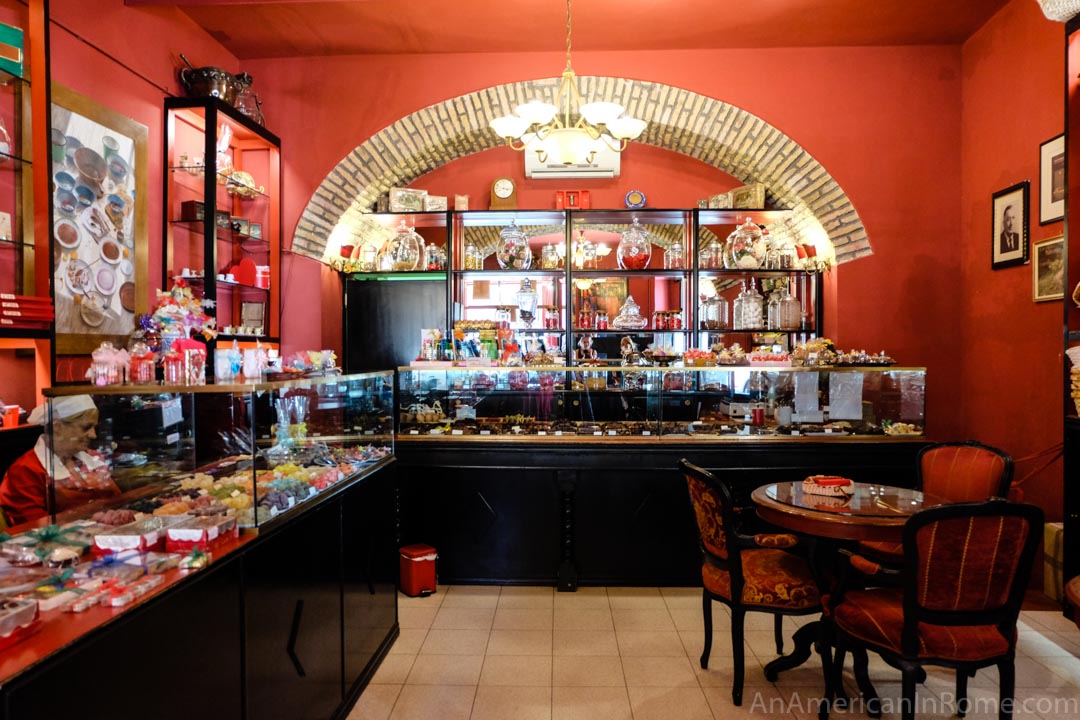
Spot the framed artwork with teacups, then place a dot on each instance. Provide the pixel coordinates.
(99, 242)
(1009, 226)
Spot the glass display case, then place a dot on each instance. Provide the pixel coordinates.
(668, 402)
(252, 452)
(508, 275)
(222, 207)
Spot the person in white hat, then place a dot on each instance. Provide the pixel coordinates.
(79, 474)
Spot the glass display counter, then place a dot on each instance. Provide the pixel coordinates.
(250, 451)
(680, 403)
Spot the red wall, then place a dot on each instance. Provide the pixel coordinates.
(885, 122)
(1010, 389)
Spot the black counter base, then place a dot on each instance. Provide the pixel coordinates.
(592, 514)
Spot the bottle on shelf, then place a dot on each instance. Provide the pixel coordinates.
(789, 311)
(748, 308)
(549, 257)
(474, 259)
(675, 256)
(714, 313)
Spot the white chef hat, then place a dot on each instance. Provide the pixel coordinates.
(62, 408)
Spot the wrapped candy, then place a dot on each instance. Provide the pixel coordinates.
(193, 358)
(108, 365)
(141, 369)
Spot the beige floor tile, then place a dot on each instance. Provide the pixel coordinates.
(567, 618)
(1067, 668)
(658, 672)
(588, 671)
(375, 703)
(687, 618)
(585, 642)
(451, 618)
(523, 619)
(1049, 619)
(590, 703)
(520, 642)
(694, 642)
(635, 643)
(416, 618)
(523, 597)
(408, 642)
(635, 598)
(472, 596)
(455, 642)
(431, 601)
(393, 670)
(584, 598)
(656, 703)
(682, 597)
(721, 672)
(1053, 704)
(1042, 644)
(1032, 673)
(757, 622)
(763, 643)
(522, 670)
(446, 670)
(1068, 640)
(762, 701)
(518, 703)
(642, 619)
(424, 702)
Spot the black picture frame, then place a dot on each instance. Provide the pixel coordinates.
(1009, 226)
(1052, 180)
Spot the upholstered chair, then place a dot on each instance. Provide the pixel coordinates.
(748, 573)
(966, 567)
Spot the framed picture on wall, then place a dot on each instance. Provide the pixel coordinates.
(1052, 180)
(1048, 269)
(1009, 223)
(99, 242)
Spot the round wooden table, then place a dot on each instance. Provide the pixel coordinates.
(873, 512)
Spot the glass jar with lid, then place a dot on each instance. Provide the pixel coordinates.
(635, 248)
(403, 250)
(709, 257)
(549, 257)
(675, 256)
(513, 252)
(474, 259)
(748, 310)
(789, 312)
(588, 252)
(772, 311)
(629, 317)
(745, 248)
(714, 313)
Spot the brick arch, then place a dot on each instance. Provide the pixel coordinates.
(714, 132)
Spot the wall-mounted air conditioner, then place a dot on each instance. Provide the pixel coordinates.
(604, 165)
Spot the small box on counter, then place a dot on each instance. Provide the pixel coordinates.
(200, 533)
(192, 210)
(434, 203)
(142, 535)
(407, 200)
(720, 201)
(461, 202)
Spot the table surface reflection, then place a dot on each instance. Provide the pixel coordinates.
(872, 512)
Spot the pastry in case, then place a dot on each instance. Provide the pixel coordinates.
(141, 535)
(199, 532)
(18, 618)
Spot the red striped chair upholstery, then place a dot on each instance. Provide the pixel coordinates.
(966, 567)
(745, 572)
(958, 472)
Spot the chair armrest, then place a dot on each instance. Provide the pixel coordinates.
(868, 567)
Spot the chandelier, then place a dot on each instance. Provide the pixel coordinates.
(551, 131)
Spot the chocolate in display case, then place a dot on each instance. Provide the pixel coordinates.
(250, 452)
(598, 403)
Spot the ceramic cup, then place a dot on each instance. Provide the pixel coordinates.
(64, 181)
(109, 146)
(58, 143)
(85, 195)
(66, 202)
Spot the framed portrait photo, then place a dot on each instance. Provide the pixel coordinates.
(1009, 223)
(1052, 180)
(1048, 269)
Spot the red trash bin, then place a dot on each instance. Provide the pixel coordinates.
(418, 570)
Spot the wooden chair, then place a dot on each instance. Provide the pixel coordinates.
(966, 567)
(957, 471)
(748, 573)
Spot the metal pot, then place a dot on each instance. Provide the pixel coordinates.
(208, 82)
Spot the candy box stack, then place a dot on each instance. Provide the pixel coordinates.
(52, 545)
(18, 619)
(828, 485)
(142, 535)
(200, 532)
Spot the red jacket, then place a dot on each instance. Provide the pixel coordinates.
(24, 491)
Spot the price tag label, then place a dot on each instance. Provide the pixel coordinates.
(457, 432)
(828, 431)
(612, 432)
(172, 438)
(414, 432)
(597, 432)
(485, 432)
(369, 432)
(558, 432)
(542, 432)
(795, 432)
(315, 434)
(723, 427)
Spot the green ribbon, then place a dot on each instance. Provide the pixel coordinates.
(56, 535)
